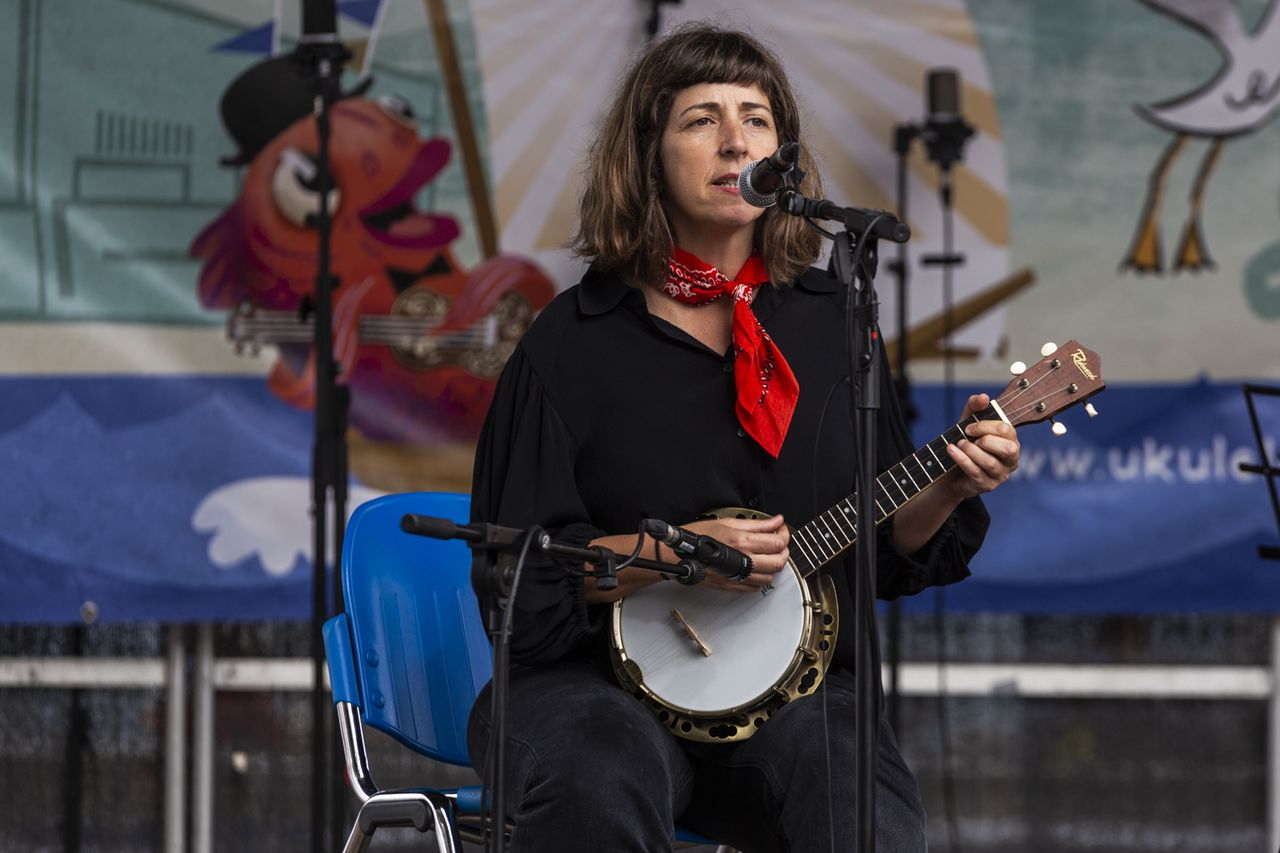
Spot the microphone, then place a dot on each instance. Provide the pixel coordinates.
(759, 181)
(712, 553)
(945, 131)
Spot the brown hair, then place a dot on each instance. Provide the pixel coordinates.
(621, 222)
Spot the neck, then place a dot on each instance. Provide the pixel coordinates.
(727, 254)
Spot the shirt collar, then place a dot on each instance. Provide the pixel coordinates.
(817, 281)
(600, 292)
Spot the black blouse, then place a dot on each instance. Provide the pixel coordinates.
(606, 415)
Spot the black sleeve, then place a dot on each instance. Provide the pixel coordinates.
(524, 475)
(944, 559)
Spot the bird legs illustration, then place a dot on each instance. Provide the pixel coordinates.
(1144, 253)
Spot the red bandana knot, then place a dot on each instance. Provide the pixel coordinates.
(767, 389)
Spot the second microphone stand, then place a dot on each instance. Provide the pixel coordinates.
(853, 262)
(499, 553)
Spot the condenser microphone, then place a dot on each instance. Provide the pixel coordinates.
(945, 131)
(712, 553)
(759, 181)
(943, 95)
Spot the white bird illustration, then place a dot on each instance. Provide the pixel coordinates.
(1240, 98)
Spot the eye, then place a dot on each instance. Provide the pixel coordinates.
(396, 107)
(293, 186)
(700, 122)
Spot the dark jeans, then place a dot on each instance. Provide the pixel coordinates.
(589, 768)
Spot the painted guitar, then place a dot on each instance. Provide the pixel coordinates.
(714, 667)
(412, 331)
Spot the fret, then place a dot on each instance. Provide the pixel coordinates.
(888, 494)
(839, 512)
(929, 447)
(826, 533)
(921, 468)
(820, 544)
(802, 563)
(830, 532)
(806, 548)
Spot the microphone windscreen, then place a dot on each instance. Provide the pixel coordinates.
(428, 525)
(943, 91)
(749, 193)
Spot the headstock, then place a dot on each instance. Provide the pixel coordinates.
(1067, 375)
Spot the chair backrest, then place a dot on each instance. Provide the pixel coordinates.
(421, 652)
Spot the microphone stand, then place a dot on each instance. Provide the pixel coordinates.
(498, 553)
(322, 56)
(851, 263)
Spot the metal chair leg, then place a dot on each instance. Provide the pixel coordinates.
(425, 811)
(357, 841)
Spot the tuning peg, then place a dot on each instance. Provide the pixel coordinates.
(1049, 348)
(1090, 410)
(1059, 428)
(1018, 368)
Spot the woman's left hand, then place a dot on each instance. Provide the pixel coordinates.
(987, 457)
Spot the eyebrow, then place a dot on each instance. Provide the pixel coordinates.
(714, 106)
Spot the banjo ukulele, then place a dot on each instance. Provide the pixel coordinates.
(714, 667)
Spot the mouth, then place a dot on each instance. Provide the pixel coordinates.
(728, 180)
(395, 221)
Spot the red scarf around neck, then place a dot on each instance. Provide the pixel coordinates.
(767, 389)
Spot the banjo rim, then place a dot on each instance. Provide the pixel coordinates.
(798, 659)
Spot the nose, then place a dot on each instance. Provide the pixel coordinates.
(733, 142)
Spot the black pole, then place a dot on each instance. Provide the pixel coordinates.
(861, 324)
(864, 367)
(75, 745)
(322, 56)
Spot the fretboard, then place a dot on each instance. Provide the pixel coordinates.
(834, 531)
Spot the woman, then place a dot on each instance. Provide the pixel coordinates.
(660, 388)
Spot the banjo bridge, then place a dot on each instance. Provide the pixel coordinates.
(689, 630)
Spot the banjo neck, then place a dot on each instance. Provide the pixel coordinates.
(834, 531)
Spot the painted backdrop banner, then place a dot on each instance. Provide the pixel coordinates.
(157, 203)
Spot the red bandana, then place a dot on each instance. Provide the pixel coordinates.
(767, 389)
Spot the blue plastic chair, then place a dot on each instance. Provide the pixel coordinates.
(408, 658)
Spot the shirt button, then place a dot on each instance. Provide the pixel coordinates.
(742, 433)
(727, 367)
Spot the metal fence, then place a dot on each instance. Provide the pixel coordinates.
(1041, 733)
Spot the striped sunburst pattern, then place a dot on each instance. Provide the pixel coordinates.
(549, 69)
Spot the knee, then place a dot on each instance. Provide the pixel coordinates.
(602, 761)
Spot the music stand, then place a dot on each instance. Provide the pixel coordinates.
(1266, 552)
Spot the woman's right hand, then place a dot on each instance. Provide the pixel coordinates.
(764, 540)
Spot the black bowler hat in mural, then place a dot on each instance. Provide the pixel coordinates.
(267, 98)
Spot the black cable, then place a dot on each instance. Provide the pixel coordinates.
(826, 729)
(813, 226)
(640, 535)
(495, 753)
(873, 332)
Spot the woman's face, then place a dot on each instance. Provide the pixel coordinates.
(712, 132)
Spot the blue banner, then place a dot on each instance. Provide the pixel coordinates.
(1142, 509)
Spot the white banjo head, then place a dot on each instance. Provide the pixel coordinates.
(753, 639)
